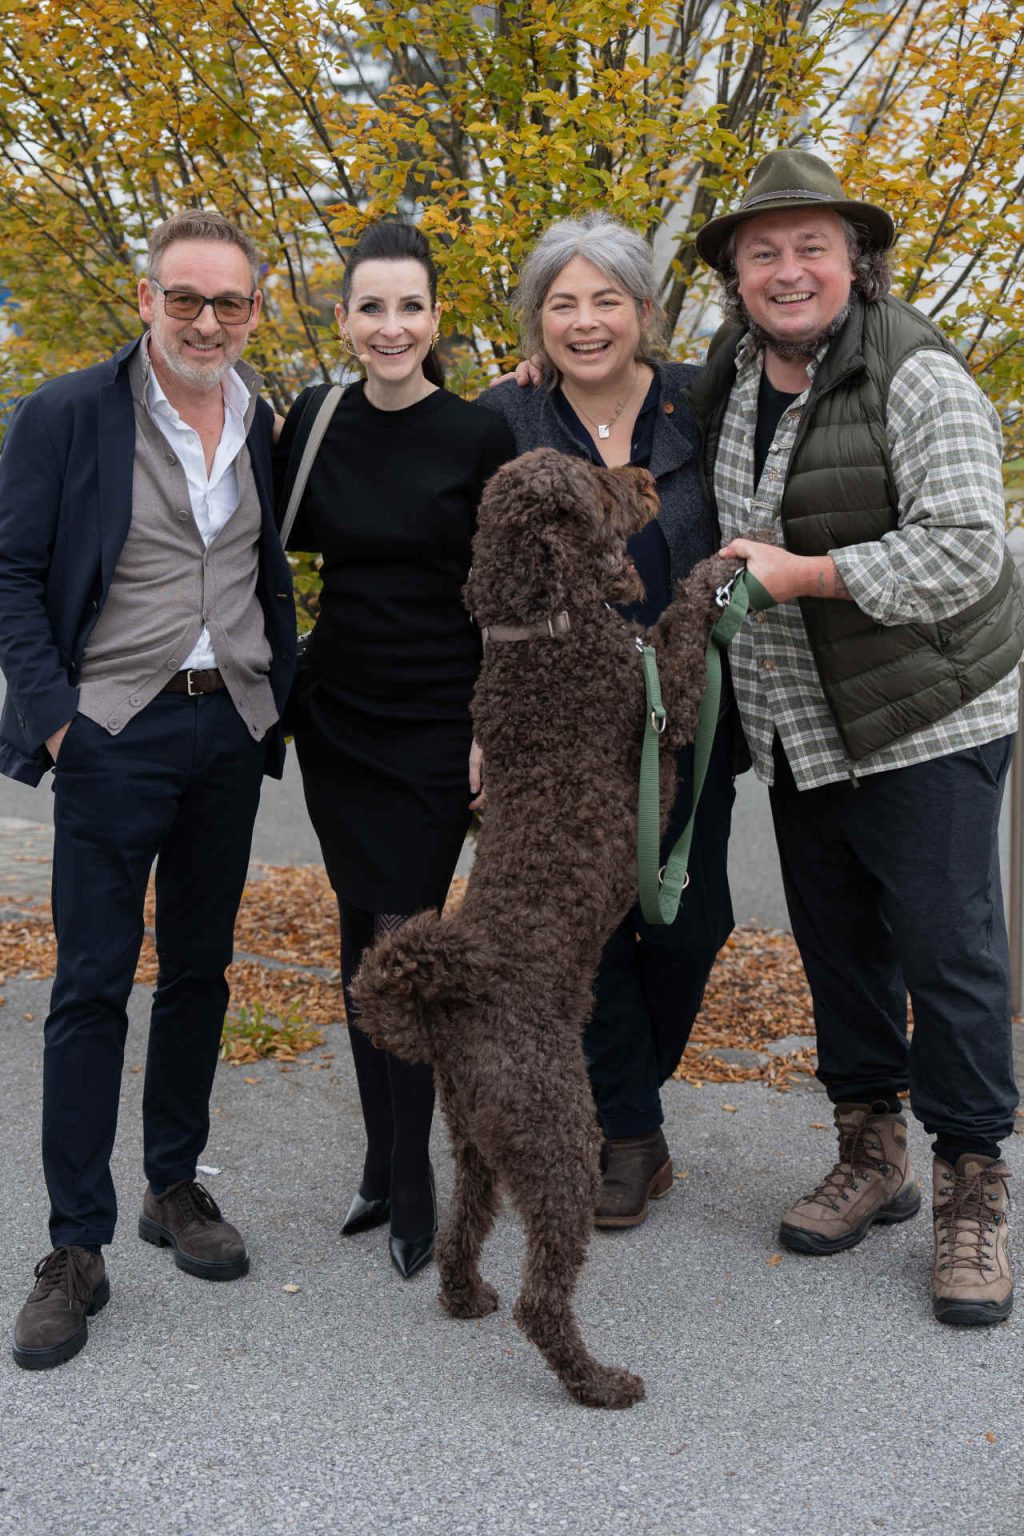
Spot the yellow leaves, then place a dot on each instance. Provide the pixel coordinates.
(308, 119)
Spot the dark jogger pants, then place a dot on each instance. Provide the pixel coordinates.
(893, 886)
(181, 785)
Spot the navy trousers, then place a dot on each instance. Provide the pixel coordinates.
(180, 785)
(893, 886)
(651, 979)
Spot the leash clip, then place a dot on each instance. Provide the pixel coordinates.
(723, 594)
(661, 878)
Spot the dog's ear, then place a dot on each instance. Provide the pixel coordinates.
(621, 486)
(533, 531)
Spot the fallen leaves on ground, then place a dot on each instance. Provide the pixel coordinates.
(288, 917)
(287, 932)
(756, 993)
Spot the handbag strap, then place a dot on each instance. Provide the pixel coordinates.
(318, 410)
(661, 889)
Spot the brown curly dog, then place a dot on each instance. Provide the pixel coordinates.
(496, 997)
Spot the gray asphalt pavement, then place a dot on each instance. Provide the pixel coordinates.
(784, 1394)
(816, 1396)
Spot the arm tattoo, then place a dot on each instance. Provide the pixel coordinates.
(841, 589)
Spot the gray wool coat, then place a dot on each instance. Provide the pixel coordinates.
(685, 518)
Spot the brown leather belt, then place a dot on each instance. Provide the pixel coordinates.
(194, 683)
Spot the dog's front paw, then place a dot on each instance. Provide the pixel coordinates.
(478, 1300)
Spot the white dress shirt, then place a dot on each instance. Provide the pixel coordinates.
(213, 496)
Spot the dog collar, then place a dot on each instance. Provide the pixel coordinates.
(555, 624)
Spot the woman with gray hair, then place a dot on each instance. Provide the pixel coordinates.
(590, 320)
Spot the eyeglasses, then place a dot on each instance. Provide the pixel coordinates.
(181, 304)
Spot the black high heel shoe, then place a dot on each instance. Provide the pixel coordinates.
(410, 1254)
(364, 1215)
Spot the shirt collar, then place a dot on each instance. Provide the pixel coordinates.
(236, 389)
(750, 353)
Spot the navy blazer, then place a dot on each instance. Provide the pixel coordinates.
(66, 474)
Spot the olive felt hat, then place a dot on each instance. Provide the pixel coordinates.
(792, 178)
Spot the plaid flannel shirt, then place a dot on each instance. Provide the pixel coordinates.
(946, 448)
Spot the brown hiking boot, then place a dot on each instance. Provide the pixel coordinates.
(872, 1181)
(634, 1170)
(187, 1218)
(71, 1285)
(971, 1281)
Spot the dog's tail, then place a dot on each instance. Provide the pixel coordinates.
(416, 982)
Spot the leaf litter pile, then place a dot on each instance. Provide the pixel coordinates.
(286, 987)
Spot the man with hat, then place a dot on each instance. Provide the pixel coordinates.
(856, 468)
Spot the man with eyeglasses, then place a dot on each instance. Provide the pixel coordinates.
(147, 635)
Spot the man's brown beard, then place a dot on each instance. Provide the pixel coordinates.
(799, 351)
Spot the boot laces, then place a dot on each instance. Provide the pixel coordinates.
(191, 1200)
(61, 1271)
(965, 1224)
(861, 1154)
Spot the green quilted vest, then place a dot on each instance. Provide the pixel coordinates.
(882, 681)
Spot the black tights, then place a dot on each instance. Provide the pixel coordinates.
(397, 1097)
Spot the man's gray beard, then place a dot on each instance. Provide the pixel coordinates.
(205, 378)
(799, 351)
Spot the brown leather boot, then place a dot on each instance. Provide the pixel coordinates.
(971, 1281)
(634, 1170)
(71, 1285)
(187, 1218)
(872, 1181)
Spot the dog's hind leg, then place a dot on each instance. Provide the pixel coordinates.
(463, 1292)
(558, 1219)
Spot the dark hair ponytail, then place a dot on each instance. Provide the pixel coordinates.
(391, 240)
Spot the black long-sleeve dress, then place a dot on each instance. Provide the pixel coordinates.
(385, 729)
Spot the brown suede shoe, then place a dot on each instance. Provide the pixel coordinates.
(71, 1285)
(971, 1281)
(872, 1181)
(634, 1170)
(187, 1218)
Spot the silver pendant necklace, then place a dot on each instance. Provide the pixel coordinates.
(604, 428)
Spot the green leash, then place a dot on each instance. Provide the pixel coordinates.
(661, 889)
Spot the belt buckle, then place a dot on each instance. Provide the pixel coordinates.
(193, 693)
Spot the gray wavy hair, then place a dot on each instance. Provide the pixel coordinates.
(623, 256)
(201, 224)
(872, 277)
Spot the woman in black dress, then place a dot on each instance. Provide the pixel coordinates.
(384, 733)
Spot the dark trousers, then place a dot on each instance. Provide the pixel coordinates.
(651, 978)
(181, 785)
(396, 1097)
(893, 886)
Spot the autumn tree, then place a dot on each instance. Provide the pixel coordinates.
(303, 121)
